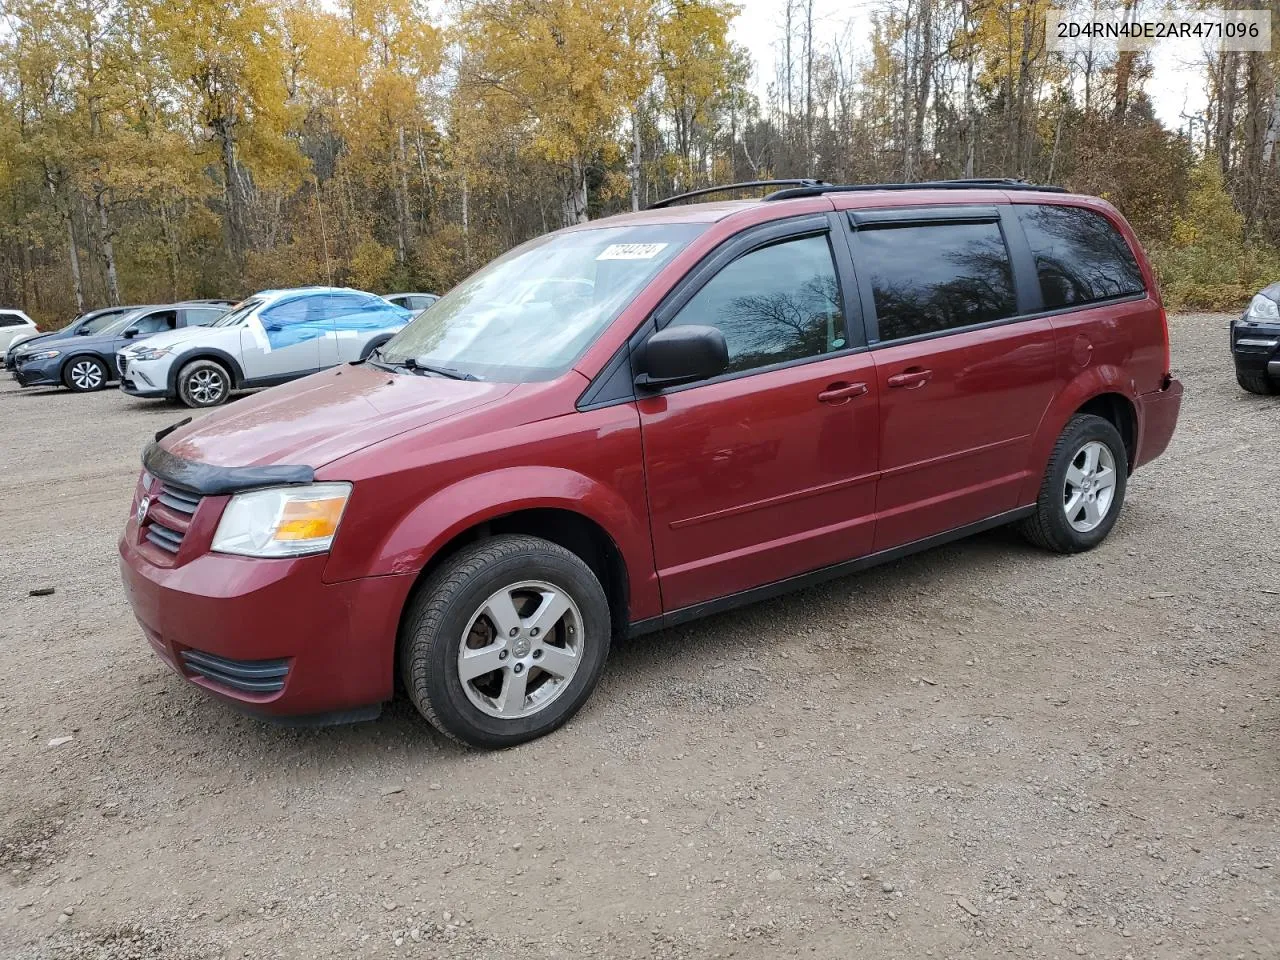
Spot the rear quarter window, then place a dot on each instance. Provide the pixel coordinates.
(1080, 256)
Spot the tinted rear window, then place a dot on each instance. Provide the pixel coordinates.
(932, 278)
(1080, 256)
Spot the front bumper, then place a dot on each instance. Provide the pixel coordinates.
(39, 373)
(144, 378)
(1255, 347)
(267, 636)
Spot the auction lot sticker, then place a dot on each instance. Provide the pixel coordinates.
(1076, 31)
(631, 251)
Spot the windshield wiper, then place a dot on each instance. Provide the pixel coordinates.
(410, 363)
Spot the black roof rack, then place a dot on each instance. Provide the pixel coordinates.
(979, 183)
(807, 187)
(802, 183)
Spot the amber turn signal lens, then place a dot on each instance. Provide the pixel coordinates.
(310, 519)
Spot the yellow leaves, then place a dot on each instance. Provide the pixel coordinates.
(371, 262)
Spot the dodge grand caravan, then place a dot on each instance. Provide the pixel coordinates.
(644, 419)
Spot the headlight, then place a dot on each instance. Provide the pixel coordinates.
(1263, 309)
(42, 355)
(148, 353)
(282, 521)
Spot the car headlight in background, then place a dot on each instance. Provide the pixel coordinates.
(282, 521)
(42, 355)
(148, 353)
(1263, 310)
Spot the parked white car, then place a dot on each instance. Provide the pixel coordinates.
(15, 326)
(270, 338)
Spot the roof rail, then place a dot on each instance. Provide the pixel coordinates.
(979, 183)
(801, 183)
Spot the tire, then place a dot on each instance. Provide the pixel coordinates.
(1062, 524)
(204, 383)
(450, 614)
(85, 374)
(1256, 382)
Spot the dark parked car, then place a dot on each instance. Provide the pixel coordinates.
(84, 363)
(95, 321)
(1255, 343)
(700, 406)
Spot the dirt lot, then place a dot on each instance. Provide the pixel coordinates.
(980, 751)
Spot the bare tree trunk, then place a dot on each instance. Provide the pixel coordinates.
(808, 88)
(171, 248)
(635, 157)
(574, 205)
(402, 198)
(466, 221)
(73, 252)
(970, 115)
(1272, 132)
(923, 84)
(107, 247)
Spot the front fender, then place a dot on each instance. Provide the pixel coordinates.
(1087, 384)
(421, 533)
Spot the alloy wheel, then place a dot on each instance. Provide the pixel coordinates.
(520, 649)
(206, 386)
(1090, 486)
(86, 375)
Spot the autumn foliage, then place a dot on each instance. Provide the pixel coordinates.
(157, 149)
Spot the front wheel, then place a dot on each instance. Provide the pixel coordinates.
(85, 374)
(1256, 382)
(1083, 487)
(505, 642)
(204, 383)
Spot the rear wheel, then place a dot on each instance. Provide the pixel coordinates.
(204, 383)
(505, 642)
(1256, 382)
(85, 374)
(1083, 487)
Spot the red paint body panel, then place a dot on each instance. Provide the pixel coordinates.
(705, 491)
(339, 638)
(954, 450)
(753, 480)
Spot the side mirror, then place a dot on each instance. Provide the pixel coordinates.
(131, 333)
(682, 354)
(83, 331)
(271, 327)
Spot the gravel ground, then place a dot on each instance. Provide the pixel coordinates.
(982, 751)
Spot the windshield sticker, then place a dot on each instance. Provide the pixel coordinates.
(632, 251)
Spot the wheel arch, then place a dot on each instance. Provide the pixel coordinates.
(204, 353)
(112, 374)
(1105, 391)
(573, 530)
(374, 343)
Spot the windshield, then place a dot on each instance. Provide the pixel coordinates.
(531, 313)
(121, 323)
(236, 313)
(99, 324)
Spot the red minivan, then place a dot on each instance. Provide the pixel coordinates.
(637, 421)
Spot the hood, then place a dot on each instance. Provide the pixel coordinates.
(24, 342)
(326, 416)
(171, 338)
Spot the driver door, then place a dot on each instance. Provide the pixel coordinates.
(282, 341)
(769, 470)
